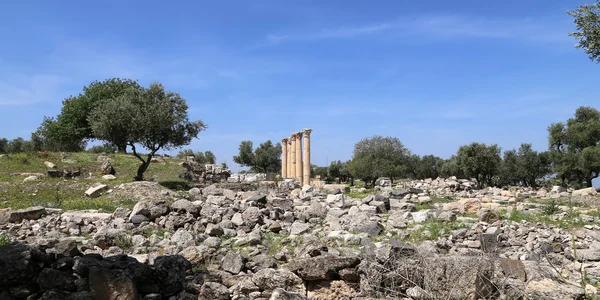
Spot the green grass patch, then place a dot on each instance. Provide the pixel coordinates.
(68, 194)
(569, 220)
(361, 194)
(431, 230)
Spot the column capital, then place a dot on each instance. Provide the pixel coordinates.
(298, 134)
(284, 140)
(307, 131)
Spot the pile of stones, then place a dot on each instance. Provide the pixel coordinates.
(283, 241)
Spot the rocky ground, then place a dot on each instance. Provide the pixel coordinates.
(431, 239)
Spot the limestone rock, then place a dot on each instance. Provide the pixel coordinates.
(271, 279)
(49, 165)
(213, 291)
(151, 209)
(233, 263)
(96, 190)
(31, 213)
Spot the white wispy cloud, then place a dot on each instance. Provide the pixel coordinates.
(437, 26)
(27, 89)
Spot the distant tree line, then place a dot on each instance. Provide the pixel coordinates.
(573, 158)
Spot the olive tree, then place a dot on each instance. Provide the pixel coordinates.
(379, 156)
(479, 161)
(266, 158)
(587, 21)
(148, 117)
(575, 145)
(71, 128)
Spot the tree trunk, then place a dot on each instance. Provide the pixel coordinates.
(140, 172)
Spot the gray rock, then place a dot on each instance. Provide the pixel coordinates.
(321, 267)
(214, 230)
(183, 238)
(151, 209)
(252, 216)
(232, 263)
(299, 228)
(271, 279)
(31, 213)
(280, 294)
(213, 291)
(184, 206)
(96, 191)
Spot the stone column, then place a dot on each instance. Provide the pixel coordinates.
(284, 157)
(299, 157)
(289, 160)
(293, 171)
(306, 158)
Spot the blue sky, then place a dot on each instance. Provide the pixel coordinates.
(435, 74)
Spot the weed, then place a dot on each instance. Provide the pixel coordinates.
(123, 241)
(5, 240)
(551, 208)
(432, 230)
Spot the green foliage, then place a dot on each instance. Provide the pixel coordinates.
(339, 170)
(509, 169)
(123, 241)
(5, 239)
(432, 230)
(551, 208)
(72, 127)
(450, 168)
(379, 156)
(3, 145)
(479, 161)
(587, 20)
(151, 117)
(265, 159)
(319, 171)
(15, 145)
(203, 158)
(575, 147)
(532, 165)
(428, 166)
(104, 148)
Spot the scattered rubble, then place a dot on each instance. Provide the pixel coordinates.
(430, 239)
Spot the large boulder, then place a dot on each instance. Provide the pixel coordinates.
(271, 279)
(585, 192)
(31, 213)
(150, 209)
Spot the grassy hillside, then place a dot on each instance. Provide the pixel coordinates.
(69, 193)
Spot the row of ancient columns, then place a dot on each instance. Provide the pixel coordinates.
(295, 163)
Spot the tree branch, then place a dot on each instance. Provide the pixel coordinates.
(135, 153)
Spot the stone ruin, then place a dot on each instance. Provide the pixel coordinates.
(203, 173)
